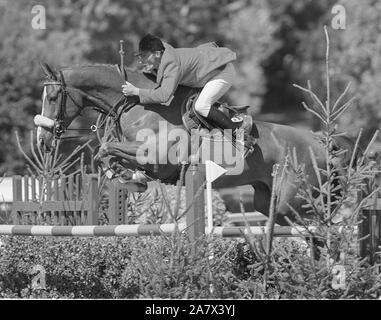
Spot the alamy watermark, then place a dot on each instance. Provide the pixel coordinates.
(339, 19)
(38, 17)
(176, 145)
(39, 274)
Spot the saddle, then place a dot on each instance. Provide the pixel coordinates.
(193, 121)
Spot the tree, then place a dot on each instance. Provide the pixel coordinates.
(357, 59)
(250, 31)
(21, 49)
(354, 58)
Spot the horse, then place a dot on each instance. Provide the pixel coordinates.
(72, 89)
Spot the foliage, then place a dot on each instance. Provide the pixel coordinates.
(159, 267)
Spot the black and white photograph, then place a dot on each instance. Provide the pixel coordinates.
(191, 156)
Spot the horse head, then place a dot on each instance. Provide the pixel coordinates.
(60, 106)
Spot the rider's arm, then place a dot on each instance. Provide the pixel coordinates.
(167, 87)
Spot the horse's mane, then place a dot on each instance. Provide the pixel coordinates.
(95, 65)
(134, 72)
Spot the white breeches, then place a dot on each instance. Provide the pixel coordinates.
(214, 89)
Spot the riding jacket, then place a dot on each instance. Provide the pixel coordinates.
(191, 67)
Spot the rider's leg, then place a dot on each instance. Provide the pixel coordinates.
(214, 89)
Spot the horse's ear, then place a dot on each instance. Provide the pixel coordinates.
(48, 71)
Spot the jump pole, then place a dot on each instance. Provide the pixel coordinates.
(142, 230)
(91, 231)
(279, 231)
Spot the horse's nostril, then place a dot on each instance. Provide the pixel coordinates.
(40, 143)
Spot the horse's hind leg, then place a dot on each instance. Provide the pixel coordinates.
(288, 198)
(262, 196)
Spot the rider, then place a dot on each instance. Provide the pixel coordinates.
(206, 66)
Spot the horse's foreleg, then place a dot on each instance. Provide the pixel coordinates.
(120, 150)
(130, 154)
(119, 161)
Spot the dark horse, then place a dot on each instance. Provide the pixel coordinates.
(72, 89)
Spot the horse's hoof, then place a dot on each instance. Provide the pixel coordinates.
(249, 149)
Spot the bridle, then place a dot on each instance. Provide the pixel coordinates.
(59, 126)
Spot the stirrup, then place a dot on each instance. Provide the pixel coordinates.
(248, 143)
(249, 149)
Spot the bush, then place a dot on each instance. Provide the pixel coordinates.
(166, 267)
(75, 268)
(145, 267)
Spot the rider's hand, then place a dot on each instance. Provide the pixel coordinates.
(129, 89)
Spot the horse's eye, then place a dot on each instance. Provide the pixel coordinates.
(53, 98)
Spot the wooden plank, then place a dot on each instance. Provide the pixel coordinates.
(41, 193)
(26, 189)
(248, 216)
(374, 204)
(68, 205)
(17, 196)
(55, 214)
(77, 187)
(77, 195)
(48, 189)
(70, 196)
(93, 200)
(70, 181)
(33, 184)
(61, 194)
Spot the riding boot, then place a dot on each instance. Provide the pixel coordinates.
(222, 120)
